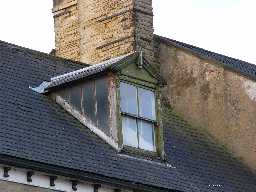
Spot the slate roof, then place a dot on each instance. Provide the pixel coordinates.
(241, 67)
(35, 129)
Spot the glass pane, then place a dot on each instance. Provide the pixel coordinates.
(75, 97)
(146, 135)
(102, 104)
(130, 136)
(147, 104)
(128, 94)
(89, 101)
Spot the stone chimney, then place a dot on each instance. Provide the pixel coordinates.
(92, 31)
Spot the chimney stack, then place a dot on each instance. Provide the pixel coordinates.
(92, 31)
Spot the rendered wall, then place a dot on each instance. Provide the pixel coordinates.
(217, 100)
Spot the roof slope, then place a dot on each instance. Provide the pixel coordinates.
(35, 128)
(237, 65)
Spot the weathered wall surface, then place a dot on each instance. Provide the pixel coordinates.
(67, 38)
(6, 186)
(106, 29)
(212, 98)
(93, 31)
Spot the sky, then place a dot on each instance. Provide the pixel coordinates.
(223, 26)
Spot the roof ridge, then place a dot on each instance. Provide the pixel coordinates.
(91, 67)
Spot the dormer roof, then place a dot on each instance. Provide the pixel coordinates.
(114, 65)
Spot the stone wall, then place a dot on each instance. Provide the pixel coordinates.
(106, 29)
(217, 100)
(67, 38)
(93, 31)
(6, 186)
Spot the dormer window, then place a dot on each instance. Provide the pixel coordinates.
(118, 100)
(138, 113)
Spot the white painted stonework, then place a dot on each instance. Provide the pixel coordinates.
(42, 180)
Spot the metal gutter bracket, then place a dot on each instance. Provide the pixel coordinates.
(74, 185)
(29, 176)
(6, 172)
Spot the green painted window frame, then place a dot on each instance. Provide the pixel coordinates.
(158, 129)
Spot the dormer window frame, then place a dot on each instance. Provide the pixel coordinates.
(157, 127)
(137, 118)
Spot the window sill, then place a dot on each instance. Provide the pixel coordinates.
(140, 153)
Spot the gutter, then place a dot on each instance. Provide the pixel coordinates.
(80, 175)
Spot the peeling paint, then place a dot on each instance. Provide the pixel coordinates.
(87, 123)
